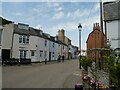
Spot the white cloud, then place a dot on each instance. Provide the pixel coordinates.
(95, 8)
(72, 26)
(59, 9)
(38, 26)
(53, 4)
(58, 15)
(78, 13)
(56, 4)
(17, 14)
(36, 10)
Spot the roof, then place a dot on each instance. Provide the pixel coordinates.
(20, 31)
(4, 21)
(91, 33)
(30, 31)
(35, 32)
(62, 43)
(112, 10)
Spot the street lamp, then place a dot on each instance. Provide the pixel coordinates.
(80, 28)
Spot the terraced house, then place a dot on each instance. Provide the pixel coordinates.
(20, 41)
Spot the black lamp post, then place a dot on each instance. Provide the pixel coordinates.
(80, 28)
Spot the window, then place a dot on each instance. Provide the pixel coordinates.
(53, 44)
(32, 53)
(23, 39)
(45, 55)
(45, 42)
(27, 39)
(53, 54)
(41, 53)
(23, 53)
(20, 39)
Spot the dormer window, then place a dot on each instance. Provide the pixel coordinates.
(23, 26)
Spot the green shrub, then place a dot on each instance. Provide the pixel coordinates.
(85, 63)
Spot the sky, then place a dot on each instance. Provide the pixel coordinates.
(52, 16)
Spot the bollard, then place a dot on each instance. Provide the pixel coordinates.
(78, 87)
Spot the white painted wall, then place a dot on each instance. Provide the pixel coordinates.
(113, 33)
(35, 43)
(41, 46)
(58, 50)
(33, 46)
(19, 46)
(7, 36)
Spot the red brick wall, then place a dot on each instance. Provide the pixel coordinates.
(94, 41)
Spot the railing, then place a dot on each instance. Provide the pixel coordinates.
(13, 61)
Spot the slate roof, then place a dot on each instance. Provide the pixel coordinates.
(4, 21)
(20, 31)
(35, 32)
(112, 10)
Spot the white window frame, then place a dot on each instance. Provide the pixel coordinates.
(45, 42)
(32, 52)
(24, 39)
(41, 53)
(23, 53)
(45, 54)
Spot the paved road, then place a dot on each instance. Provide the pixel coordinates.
(39, 75)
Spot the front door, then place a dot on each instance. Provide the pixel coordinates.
(49, 56)
(5, 54)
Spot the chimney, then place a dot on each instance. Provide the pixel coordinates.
(96, 26)
(61, 35)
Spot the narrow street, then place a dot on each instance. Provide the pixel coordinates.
(51, 75)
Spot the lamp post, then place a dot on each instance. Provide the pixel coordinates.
(80, 28)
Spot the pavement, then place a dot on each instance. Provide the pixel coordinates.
(73, 79)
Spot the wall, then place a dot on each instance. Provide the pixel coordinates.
(94, 41)
(42, 47)
(53, 49)
(33, 45)
(19, 46)
(58, 50)
(113, 33)
(119, 33)
(7, 36)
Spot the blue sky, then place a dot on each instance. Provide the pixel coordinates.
(52, 16)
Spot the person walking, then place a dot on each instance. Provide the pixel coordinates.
(63, 58)
(45, 60)
(59, 58)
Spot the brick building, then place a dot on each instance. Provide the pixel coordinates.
(94, 43)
